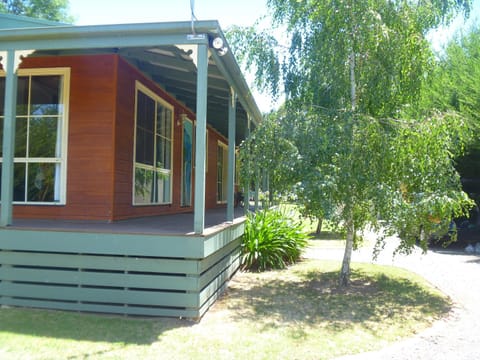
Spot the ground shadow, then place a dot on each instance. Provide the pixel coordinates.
(454, 252)
(327, 235)
(86, 327)
(316, 298)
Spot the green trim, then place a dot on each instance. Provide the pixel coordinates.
(201, 131)
(231, 155)
(102, 243)
(111, 263)
(48, 269)
(133, 35)
(101, 308)
(9, 21)
(8, 140)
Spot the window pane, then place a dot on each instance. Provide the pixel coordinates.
(2, 95)
(143, 186)
(42, 137)
(145, 128)
(168, 125)
(22, 95)
(168, 155)
(19, 182)
(164, 122)
(145, 112)
(164, 151)
(41, 182)
(161, 119)
(21, 137)
(163, 187)
(160, 153)
(45, 95)
(144, 147)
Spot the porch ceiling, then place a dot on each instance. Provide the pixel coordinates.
(160, 51)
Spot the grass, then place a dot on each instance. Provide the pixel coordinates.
(310, 225)
(296, 313)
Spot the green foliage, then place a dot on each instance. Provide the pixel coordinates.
(454, 83)
(257, 51)
(453, 86)
(426, 192)
(272, 240)
(402, 179)
(270, 149)
(352, 74)
(54, 10)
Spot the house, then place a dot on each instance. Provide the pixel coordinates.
(118, 166)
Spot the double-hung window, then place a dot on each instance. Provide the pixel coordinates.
(40, 135)
(153, 149)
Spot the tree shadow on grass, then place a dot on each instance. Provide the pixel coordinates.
(327, 235)
(314, 299)
(86, 327)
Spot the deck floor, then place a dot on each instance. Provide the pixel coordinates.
(176, 224)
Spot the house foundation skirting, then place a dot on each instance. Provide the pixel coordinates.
(117, 273)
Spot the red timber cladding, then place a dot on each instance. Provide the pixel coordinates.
(90, 139)
(124, 140)
(100, 143)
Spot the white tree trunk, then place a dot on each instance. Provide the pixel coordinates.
(347, 256)
(353, 87)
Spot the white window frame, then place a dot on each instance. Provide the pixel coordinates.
(64, 72)
(139, 87)
(224, 147)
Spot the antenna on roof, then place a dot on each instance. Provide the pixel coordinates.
(193, 17)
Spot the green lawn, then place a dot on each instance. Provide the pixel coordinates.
(297, 313)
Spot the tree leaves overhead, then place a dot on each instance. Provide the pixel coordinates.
(54, 10)
(386, 39)
(454, 86)
(258, 52)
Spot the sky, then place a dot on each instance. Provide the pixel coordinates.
(227, 12)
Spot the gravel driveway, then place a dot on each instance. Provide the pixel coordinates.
(456, 274)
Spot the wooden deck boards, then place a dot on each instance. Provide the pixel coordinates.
(177, 224)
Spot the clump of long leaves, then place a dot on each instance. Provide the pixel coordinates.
(272, 240)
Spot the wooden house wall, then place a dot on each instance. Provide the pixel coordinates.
(100, 143)
(90, 139)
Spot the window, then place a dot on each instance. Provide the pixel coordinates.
(222, 171)
(187, 162)
(153, 149)
(40, 135)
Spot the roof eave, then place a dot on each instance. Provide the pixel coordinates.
(125, 35)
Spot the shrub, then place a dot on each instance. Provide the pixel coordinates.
(272, 240)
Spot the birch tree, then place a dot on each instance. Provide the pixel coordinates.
(350, 74)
